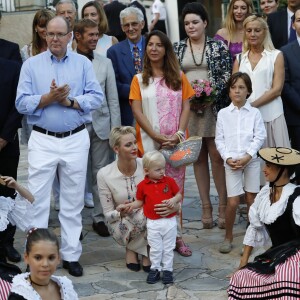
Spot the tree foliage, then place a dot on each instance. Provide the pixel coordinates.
(283, 3)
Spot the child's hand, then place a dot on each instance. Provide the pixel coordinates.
(169, 203)
(120, 207)
(232, 163)
(9, 182)
(124, 209)
(242, 162)
(243, 262)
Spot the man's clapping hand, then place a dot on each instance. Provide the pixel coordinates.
(56, 94)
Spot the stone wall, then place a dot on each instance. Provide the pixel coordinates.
(16, 27)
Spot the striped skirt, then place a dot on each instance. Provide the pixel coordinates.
(284, 284)
(5, 287)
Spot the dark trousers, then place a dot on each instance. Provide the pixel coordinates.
(294, 134)
(161, 25)
(8, 167)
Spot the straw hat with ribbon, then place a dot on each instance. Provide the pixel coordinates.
(281, 156)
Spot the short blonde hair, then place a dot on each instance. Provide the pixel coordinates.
(150, 157)
(267, 42)
(117, 132)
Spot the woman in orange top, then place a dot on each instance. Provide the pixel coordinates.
(160, 103)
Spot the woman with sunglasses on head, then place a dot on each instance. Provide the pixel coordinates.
(94, 11)
(232, 33)
(203, 58)
(265, 66)
(275, 216)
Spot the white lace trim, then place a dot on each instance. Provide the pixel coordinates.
(22, 287)
(22, 214)
(262, 212)
(18, 211)
(256, 237)
(269, 213)
(6, 205)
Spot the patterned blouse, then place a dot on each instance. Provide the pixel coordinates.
(219, 66)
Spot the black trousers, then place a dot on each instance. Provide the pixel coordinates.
(294, 134)
(8, 167)
(161, 25)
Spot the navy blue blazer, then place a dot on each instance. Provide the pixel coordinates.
(291, 89)
(278, 24)
(122, 61)
(10, 50)
(10, 119)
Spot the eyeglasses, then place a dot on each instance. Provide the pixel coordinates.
(132, 24)
(59, 36)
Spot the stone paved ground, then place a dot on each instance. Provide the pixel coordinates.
(201, 276)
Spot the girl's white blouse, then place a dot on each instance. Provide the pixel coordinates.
(262, 212)
(22, 287)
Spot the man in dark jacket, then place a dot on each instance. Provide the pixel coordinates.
(10, 121)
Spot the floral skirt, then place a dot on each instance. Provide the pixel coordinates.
(284, 284)
(130, 231)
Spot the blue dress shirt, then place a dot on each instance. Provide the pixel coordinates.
(36, 76)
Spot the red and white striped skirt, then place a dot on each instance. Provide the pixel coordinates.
(5, 287)
(284, 284)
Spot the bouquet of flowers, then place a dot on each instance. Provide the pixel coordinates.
(204, 95)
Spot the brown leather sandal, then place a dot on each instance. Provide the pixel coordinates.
(207, 221)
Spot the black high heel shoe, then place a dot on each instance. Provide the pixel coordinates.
(133, 267)
(146, 269)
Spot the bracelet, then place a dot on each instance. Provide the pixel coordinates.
(181, 133)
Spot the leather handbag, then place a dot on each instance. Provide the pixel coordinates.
(184, 153)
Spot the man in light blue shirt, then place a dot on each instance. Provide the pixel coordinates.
(57, 91)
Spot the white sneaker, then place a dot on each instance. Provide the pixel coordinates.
(89, 203)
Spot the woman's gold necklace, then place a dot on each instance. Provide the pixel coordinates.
(203, 51)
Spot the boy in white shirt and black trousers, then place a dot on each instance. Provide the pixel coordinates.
(240, 133)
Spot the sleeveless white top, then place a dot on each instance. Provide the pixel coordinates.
(103, 44)
(262, 79)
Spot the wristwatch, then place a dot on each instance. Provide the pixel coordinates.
(72, 100)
